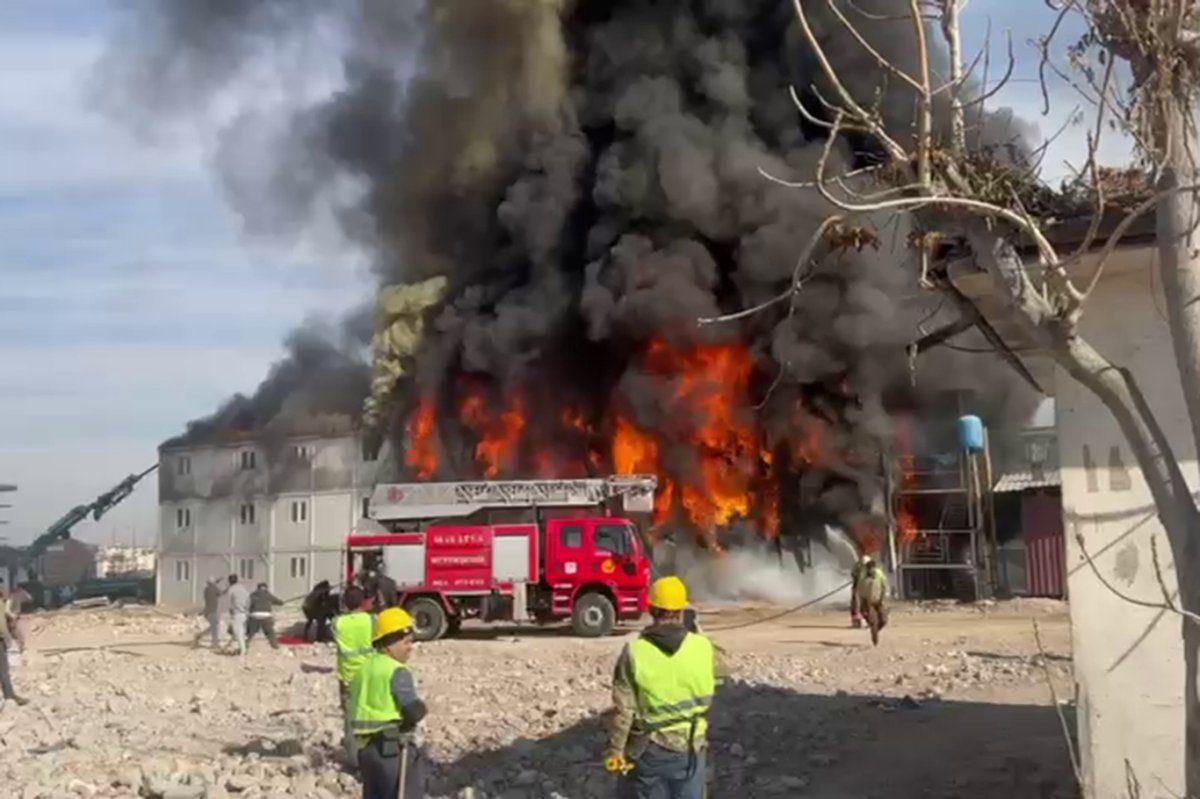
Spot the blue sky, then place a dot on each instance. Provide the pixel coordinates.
(130, 301)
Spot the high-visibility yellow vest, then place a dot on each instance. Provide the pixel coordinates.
(374, 705)
(352, 634)
(673, 691)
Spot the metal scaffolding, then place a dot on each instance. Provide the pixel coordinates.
(942, 531)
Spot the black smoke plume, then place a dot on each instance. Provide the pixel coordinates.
(587, 175)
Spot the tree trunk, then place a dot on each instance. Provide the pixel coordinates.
(1191, 672)
(1179, 266)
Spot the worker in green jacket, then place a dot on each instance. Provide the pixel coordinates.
(386, 711)
(872, 590)
(352, 632)
(663, 688)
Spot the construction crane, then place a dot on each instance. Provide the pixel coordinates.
(96, 509)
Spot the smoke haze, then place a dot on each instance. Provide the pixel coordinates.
(586, 176)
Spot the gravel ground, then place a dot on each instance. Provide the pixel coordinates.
(954, 702)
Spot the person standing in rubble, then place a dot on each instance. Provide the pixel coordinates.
(386, 712)
(872, 592)
(319, 608)
(663, 688)
(352, 634)
(7, 692)
(262, 617)
(239, 612)
(212, 613)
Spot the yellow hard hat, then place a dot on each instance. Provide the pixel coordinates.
(392, 620)
(668, 593)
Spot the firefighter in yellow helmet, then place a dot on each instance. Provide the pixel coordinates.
(662, 689)
(385, 713)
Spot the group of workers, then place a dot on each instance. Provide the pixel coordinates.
(663, 684)
(242, 612)
(663, 687)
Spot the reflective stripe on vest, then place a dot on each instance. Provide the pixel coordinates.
(373, 706)
(352, 634)
(673, 691)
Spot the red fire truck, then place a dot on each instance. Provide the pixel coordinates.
(520, 550)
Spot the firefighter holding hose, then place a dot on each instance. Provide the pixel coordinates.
(386, 711)
(662, 690)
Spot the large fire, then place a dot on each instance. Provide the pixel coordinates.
(711, 458)
(499, 436)
(421, 455)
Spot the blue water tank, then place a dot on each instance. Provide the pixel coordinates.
(970, 433)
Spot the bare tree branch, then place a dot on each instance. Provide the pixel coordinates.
(1062, 719)
(1000, 84)
(870, 48)
(1122, 228)
(1043, 44)
(952, 33)
(858, 113)
(925, 97)
(1168, 605)
(797, 282)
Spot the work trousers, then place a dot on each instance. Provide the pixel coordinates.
(877, 619)
(267, 625)
(379, 769)
(213, 631)
(661, 773)
(349, 742)
(16, 627)
(238, 622)
(6, 685)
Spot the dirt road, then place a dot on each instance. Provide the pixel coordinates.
(954, 702)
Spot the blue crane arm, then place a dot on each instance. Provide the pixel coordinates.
(97, 508)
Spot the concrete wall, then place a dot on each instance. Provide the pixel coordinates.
(1128, 659)
(306, 494)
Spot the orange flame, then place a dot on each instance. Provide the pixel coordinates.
(421, 455)
(499, 437)
(711, 383)
(906, 524)
(906, 520)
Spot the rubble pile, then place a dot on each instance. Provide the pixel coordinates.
(123, 705)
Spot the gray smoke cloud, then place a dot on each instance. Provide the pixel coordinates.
(586, 175)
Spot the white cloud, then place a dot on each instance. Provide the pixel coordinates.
(130, 304)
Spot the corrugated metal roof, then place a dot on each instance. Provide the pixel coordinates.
(1019, 481)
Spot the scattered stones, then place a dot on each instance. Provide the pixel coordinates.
(517, 716)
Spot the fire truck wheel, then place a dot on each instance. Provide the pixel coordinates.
(429, 618)
(593, 616)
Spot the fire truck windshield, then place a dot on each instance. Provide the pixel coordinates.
(615, 538)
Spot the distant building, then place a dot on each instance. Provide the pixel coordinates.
(274, 509)
(1029, 518)
(115, 561)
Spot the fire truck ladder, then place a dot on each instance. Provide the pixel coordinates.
(410, 501)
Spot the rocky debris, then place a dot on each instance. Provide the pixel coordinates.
(124, 707)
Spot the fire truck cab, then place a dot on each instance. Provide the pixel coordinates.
(521, 550)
